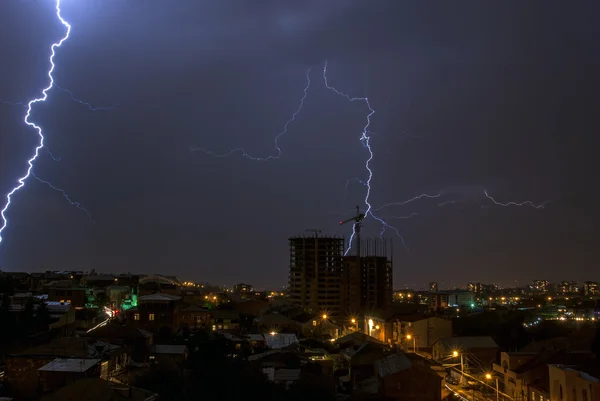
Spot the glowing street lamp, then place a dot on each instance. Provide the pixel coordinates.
(414, 338)
(489, 376)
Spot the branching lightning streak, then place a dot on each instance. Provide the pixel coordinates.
(283, 132)
(529, 203)
(83, 102)
(365, 140)
(64, 194)
(42, 98)
(408, 201)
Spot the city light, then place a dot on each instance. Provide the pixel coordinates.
(454, 353)
(488, 376)
(408, 336)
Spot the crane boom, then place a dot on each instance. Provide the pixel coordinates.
(357, 219)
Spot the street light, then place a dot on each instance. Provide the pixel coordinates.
(489, 376)
(324, 317)
(408, 337)
(456, 354)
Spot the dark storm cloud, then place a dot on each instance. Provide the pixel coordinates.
(468, 96)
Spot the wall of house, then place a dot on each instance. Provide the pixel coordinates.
(21, 374)
(413, 385)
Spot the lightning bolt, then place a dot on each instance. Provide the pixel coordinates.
(64, 194)
(526, 203)
(408, 201)
(365, 140)
(42, 98)
(282, 133)
(83, 102)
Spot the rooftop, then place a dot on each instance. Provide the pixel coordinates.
(469, 342)
(170, 349)
(75, 365)
(280, 340)
(158, 297)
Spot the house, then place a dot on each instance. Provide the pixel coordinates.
(356, 339)
(194, 317)
(320, 327)
(170, 355)
(68, 293)
(377, 371)
(415, 331)
(62, 371)
(225, 319)
(574, 383)
(100, 390)
(275, 322)
(134, 341)
(155, 311)
(22, 369)
(252, 307)
(481, 350)
(519, 370)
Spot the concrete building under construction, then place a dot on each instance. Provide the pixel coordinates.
(368, 278)
(324, 281)
(316, 273)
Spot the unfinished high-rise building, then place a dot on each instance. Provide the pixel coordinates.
(368, 278)
(316, 273)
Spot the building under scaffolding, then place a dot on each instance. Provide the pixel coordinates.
(316, 273)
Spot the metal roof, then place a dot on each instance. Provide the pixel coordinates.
(69, 365)
(280, 340)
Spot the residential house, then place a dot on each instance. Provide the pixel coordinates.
(225, 319)
(100, 390)
(481, 350)
(22, 369)
(63, 371)
(518, 371)
(134, 341)
(416, 331)
(574, 383)
(155, 311)
(170, 355)
(68, 292)
(318, 327)
(156, 283)
(194, 317)
(275, 322)
(377, 371)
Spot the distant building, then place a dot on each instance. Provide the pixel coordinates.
(433, 287)
(461, 299)
(542, 286)
(316, 273)
(591, 288)
(438, 300)
(242, 288)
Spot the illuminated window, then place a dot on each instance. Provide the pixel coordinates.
(314, 322)
(136, 316)
(150, 316)
(62, 301)
(68, 300)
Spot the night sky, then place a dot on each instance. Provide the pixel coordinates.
(468, 96)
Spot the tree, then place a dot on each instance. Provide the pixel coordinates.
(101, 300)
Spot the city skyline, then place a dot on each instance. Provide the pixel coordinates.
(476, 107)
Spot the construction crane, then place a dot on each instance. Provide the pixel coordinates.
(357, 226)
